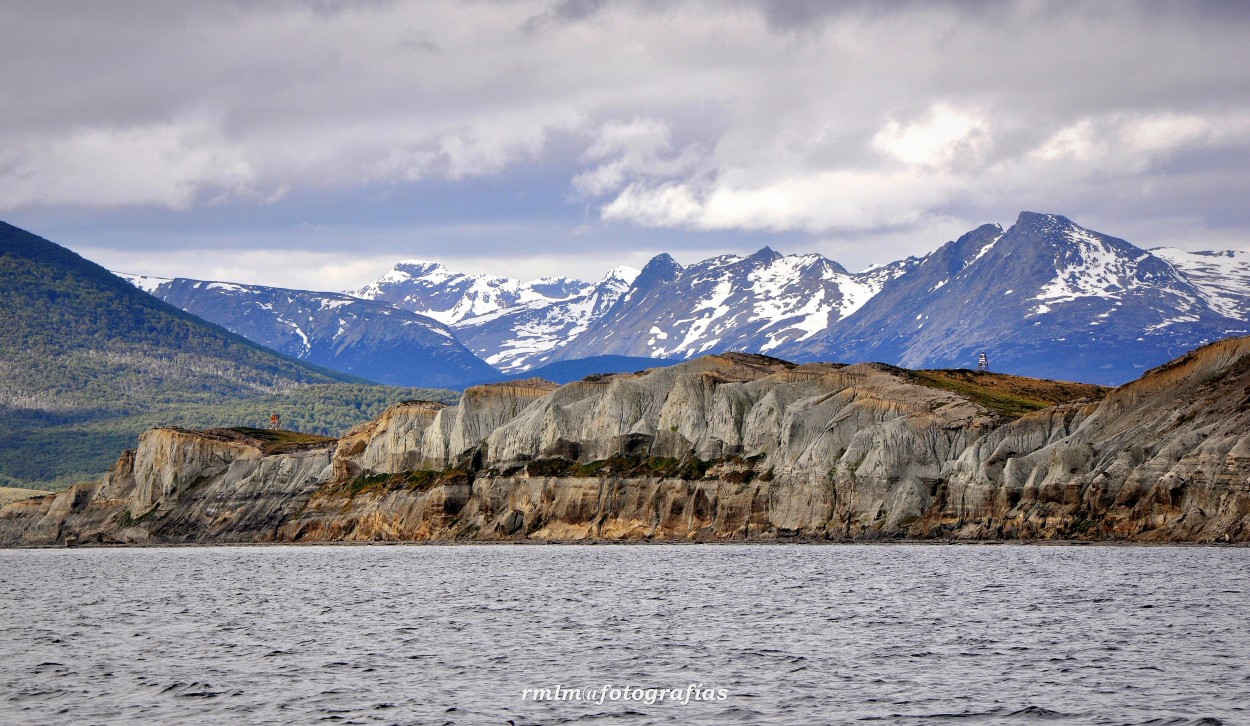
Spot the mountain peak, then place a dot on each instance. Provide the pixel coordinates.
(765, 254)
(420, 265)
(622, 273)
(661, 264)
(1043, 220)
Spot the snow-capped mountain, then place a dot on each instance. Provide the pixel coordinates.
(1045, 298)
(432, 290)
(755, 303)
(1223, 277)
(666, 311)
(528, 334)
(372, 340)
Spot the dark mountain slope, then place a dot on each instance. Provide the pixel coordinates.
(75, 337)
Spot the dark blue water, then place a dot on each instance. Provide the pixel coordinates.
(793, 634)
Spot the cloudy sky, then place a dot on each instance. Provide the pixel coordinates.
(314, 144)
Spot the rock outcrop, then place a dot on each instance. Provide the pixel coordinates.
(723, 447)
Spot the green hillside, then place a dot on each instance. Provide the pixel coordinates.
(87, 362)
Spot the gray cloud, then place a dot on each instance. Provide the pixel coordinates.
(855, 126)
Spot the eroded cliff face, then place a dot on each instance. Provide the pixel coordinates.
(723, 447)
(1163, 458)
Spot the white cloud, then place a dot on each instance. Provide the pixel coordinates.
(1165, 131)
(296, 269)
(629, 151)
(856, 250)
(1072, 142)
(636, 137)
(943, 134)
(812, 202)
(665, 205)
(164, 164)
(1123, 144)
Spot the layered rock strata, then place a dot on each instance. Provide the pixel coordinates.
(729, 447)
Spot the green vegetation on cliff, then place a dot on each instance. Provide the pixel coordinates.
(1006, 395)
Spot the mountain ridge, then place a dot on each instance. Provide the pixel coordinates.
(368, 339)
(431, 289)
(1044, 297)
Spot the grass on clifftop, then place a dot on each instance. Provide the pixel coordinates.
(277, 442)
(1006, 395)
(8, 495)
(269, 441)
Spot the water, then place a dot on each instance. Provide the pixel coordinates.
(794, 634)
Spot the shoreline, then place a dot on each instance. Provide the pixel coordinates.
(645, 543)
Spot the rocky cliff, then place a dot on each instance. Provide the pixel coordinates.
(722, 447)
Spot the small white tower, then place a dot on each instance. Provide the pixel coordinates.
(983, 362)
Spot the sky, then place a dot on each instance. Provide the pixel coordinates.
(314, 144)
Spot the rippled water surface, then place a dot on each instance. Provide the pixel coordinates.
(794, 634)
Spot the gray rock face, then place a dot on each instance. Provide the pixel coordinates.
(730, 446)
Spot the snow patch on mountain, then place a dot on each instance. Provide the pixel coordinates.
(525, 335)
(307, 346)
(798, 312)
(431, 289)
(982, 252)
(232, 287)
(147, 283)
(1223, 277)
(1092, 266)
